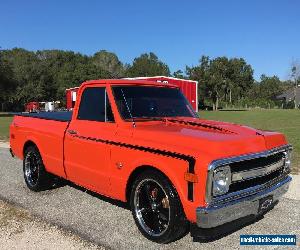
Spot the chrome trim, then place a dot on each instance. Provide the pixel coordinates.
(216, 215)
(225, 161)
(257, 172)
(225, 169)
(246, 192)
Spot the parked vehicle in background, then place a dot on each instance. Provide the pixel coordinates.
(49, 106)
(42, 106)
(188, 87)
(32, 107)
(141, 142)
(71, 96)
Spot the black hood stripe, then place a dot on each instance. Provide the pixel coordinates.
(199, 124)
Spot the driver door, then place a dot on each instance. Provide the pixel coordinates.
(87, 153)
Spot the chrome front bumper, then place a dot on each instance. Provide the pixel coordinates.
(216, 215)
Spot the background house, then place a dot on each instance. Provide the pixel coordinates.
(288, 96)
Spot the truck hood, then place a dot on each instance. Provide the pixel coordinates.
(214, 138)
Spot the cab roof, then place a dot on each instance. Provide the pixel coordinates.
(128, 82)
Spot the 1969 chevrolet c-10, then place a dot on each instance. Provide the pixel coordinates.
(142, 142)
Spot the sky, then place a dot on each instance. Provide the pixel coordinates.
(265, 33)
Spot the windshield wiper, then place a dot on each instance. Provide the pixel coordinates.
(147, 118)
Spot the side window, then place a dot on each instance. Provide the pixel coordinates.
(95, 106)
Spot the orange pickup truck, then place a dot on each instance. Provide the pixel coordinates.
(142, 143)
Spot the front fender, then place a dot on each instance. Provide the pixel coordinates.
(131, 160)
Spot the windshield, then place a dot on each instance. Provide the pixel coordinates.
(151, 102)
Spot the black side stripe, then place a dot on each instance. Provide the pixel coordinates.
(191, 160)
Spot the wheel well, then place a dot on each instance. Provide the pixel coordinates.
(28, 144)
(136, 173)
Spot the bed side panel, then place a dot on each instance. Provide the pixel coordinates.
(48, 135)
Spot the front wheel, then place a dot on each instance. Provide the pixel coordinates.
(156, 208)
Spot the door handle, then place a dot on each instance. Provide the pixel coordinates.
(72, 132)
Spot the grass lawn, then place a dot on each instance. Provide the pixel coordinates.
(5, 121)
(285, 121)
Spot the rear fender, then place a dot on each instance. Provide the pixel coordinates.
(31, 140)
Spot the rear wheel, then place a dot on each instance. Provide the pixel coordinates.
(157, 209)
(35, 175)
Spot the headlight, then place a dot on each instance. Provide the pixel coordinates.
(287, 160)
(221, 180)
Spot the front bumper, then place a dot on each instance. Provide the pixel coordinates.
(216, 215)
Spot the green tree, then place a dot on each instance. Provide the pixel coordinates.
(25, 72)
(148, 65)
(199, 73)
(217, 79)
(295, 75)
(68, 69)
(240, 79)
(269, 87)
(263, 93)
(179, 74)
(109, 62)
(44, 75)
(7, 84)
(222, 79)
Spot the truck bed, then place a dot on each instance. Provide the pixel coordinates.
(63, 116)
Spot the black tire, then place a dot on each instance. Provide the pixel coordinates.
(35, 175)
(156, 208)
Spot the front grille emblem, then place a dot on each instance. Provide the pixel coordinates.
(266, 204)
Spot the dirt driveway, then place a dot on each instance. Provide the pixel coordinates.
(20, 230)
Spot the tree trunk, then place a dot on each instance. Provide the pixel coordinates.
(230, 100)
(217, 103)
(295, 93)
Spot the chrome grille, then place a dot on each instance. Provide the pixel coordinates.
(257, 167)
(256, 163)
(250, 172)
(241, 185)
(257, 171)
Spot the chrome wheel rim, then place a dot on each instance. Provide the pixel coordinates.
(152, 208)
(31, 169)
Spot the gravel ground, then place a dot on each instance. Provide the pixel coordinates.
(20, 230)
(109, 223)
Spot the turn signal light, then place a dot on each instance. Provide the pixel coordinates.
(191, 177)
